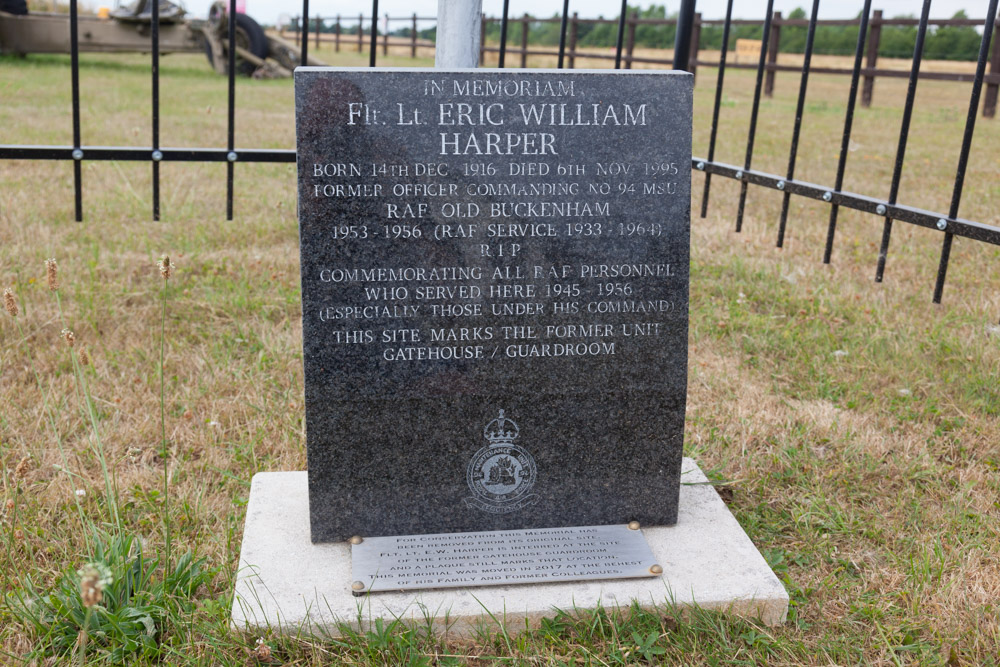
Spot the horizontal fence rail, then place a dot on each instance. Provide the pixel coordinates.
(685, 56)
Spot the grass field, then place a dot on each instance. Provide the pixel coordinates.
(855, 425)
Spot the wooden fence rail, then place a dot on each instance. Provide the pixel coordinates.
(359, 38)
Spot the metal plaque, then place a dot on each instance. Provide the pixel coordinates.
(500, 558)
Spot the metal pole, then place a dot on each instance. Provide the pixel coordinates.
(458, 33)
(682, 42)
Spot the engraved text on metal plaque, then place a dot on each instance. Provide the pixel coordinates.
(500, 558)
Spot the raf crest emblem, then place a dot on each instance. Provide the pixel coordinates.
(501, 474)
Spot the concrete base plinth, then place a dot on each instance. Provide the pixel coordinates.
(288, 584)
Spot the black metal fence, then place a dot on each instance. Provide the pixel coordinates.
(889, 209)
(870, 72)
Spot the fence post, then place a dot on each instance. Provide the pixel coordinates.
(385, 37)
(298, 31)
(572, 41)
(361, 33)
(630, 39)
(874, 35)
(336, 35)
(413, 37)
(457, 40)
(524, 41)
(695, 39)
(319, 24)
(772, 54)
(482, 41)
(990, 100)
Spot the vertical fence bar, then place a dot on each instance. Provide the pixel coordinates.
(336, 35)
(298, 31)
(361, 33)
(154, 34)
(686, 33)
(318, 28)
(74, 51)
(413, 37)
(848, 121)
(374, 35)
(524, 41)
(990, 101)
(904, 132)
(963, 156)
(871, 58)
(562, 33)
(305, 32)
(799, 108)
(574, 28)
(718, 102)
(231, 131)
(765, 37)
(503, 33)
(772, 54)
(621, 35)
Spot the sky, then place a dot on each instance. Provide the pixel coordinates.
(268, 11)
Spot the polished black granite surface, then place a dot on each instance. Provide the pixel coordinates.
(495, 297)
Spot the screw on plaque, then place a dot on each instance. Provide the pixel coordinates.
(880, 209)
(633, 525)
(827, 196)
(357, 539)
(942, 224)
(781, 185)
(656, 569)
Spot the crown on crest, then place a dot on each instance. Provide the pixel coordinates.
(501, 429)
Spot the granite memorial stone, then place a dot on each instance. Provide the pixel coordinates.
(495, 297)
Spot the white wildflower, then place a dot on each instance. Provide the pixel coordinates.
(94, 578)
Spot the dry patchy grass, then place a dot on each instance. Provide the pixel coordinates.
(857, 424)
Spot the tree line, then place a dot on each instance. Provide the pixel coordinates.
(941, 43)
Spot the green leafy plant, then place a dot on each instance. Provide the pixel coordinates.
(123, 612)
(646, 646)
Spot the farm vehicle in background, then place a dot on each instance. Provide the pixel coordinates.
(127, 30)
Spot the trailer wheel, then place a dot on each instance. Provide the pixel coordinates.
(17, 7)
(249, 36)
